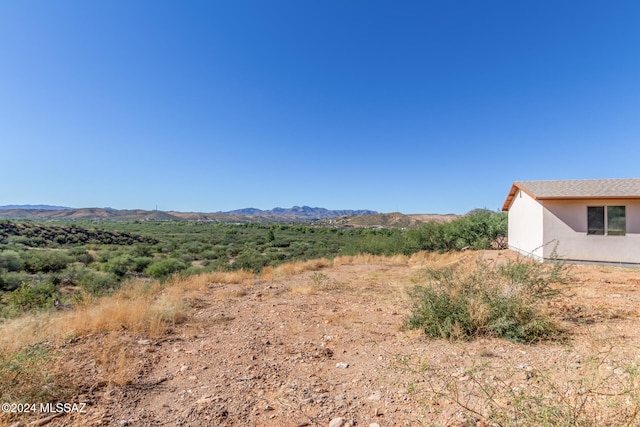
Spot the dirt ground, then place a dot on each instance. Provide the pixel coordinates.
(307, 349)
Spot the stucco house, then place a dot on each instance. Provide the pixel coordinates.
(594, 220)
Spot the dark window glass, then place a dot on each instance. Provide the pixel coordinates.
(616, 221)
(595, 220)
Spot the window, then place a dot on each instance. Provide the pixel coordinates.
(595, 220)
(606, 220)
(616, 221)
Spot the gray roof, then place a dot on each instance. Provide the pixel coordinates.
(583, 188)
(576, 188)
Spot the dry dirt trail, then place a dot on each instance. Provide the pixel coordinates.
(296, 351)
(316, 346)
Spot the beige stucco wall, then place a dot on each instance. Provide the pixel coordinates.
(525, 226)
(566, 222)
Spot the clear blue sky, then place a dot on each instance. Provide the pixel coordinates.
(412, 106)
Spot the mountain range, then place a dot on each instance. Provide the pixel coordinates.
(296, 213)
(35, 207)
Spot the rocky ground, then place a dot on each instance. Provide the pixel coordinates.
(327, 348)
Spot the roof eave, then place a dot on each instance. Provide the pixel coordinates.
(512, 194)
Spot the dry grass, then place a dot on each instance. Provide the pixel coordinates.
(360, 259)
(138, 307)
(305, 289)
(419, 259)
(295, 267)
(203, 281)
(115, 361)
(435, 260)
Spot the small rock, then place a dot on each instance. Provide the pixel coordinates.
(204, 400)
(184, 368)
(375, 396)
(337, 422)
(193, 378)
(374, 425)
(144, 342)
(342, 365)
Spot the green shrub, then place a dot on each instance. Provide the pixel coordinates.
(476, 230)
(118, 265)
(139, 264)
(164, 267)
(46, 261)
(194, 270)
(10, 281)
(10, 261)
(97, 283)
(33, 296)
(81, 255)
(488, 300)
(251, 260)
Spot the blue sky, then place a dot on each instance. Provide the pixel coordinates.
(410, 106)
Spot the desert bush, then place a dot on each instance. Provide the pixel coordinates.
(97, 283)
(251, 260)
(81, 255)
(26, 376)
(46, 261)
(118, 265)
(10, 261)
(165, 267)
(385, 242)
(194, 270)
(10, 281)
(140, 263)
(33, 296)
(486, 300)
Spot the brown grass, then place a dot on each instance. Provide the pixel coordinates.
(138, 307)
(295, 267)
(203, 281)
(115, 361)
(304, 290)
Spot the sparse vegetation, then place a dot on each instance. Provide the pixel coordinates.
(43, 261)
(488, 300)
(488, 381)
(27, 376)
(595, 393)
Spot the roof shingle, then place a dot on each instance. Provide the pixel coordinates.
(576, 188)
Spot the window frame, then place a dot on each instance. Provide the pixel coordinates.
(606, 221)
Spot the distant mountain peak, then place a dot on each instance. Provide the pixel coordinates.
(36, 207)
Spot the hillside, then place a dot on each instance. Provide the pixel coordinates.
(388, 220)
(39, 235)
